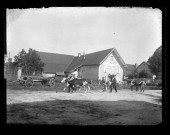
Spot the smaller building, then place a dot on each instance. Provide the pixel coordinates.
(144, 66)
(10, 70)
(128, 69)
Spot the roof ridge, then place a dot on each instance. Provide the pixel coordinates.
(111, 50)
(130, 64)
(100, 51)
(142, 63)
(55, 53)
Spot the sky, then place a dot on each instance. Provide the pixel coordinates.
(134, 32)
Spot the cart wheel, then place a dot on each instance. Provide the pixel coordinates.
(52, 82)
(29, 83)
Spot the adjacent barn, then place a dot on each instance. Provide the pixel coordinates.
(144, 67)
(55, 63)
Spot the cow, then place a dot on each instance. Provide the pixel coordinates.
(138, 84)
(77, 82)
(65, 80)
(142, 85)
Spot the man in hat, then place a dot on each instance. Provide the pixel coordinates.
(113, 84)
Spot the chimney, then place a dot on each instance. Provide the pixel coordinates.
(79, 54)
(83, 55)
(136, 65)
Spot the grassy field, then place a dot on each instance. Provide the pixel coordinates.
(70, 112)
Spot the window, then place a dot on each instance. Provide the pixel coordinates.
(111, 58)
(105, 69)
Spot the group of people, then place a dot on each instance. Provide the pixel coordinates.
(113, 84)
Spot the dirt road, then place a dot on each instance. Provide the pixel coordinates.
(20, 96)
(96, 108)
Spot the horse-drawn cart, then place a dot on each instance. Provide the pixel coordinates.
(28, 81)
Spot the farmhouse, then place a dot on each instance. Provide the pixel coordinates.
(97, 65)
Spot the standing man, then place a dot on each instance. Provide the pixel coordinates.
(113, 84)
(131, 85)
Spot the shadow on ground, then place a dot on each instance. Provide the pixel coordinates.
(150, 95)
(78, 112)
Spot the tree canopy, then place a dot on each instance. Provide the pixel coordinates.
(30, 62)
(155, 61)
(133, 75)
(144, 74)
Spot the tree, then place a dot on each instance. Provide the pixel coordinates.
(155, 61)
(30, 62)
(144, 74)
(133, 75)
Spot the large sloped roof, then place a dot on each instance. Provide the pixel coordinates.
(95, 58)
(128, 69)
(144, 62)
(146, 68)
(55, 62)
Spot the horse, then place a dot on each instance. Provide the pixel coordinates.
(77, 82)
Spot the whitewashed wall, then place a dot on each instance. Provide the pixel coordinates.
(110, 66)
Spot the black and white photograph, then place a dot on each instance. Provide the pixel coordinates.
(84, 66)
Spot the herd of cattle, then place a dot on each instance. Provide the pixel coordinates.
(74, 84)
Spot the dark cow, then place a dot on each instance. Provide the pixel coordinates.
(76, 82)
